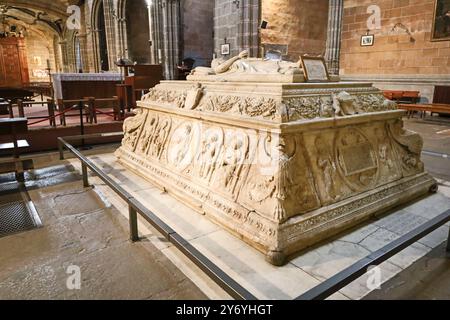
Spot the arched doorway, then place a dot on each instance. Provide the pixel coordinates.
(137, 22)
(101, 37)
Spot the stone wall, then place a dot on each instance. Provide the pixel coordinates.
(198, 37)
(299, 24)
(226, 22)
(237, 23)
(39, 49)
(397, 60)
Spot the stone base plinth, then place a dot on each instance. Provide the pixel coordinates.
(280, 166)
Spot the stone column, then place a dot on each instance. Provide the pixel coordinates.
(158, 31)
(122, 37)
(113, 55)
(170, 41)
(90, 64)
(155, 31)
(64, 57)
(249, 26)
(332, 53)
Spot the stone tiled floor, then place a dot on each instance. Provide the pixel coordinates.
(79, 230)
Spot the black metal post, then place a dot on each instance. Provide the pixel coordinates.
(80, 106)
(61, 150)
(85, 175)
(448, 241)
(134, 234)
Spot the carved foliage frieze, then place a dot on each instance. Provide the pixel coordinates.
(335, 105)
(162, 96)
(263, 107)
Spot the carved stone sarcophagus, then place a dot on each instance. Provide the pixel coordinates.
(280, 165)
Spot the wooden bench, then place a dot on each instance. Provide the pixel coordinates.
(65, 105)
(111, 106)
(402, 96)
(51, 107)
(424, 108)
(12, 128)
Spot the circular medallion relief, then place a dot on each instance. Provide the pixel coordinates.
(183, 145)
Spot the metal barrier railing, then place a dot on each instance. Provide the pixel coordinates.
(233, 288)
(322, 291)
(347, 276)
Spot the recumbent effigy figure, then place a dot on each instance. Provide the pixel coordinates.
(243, 68)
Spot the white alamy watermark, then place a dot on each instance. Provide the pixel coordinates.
(374, 21)
(74, 21)
(73, 281)
(374, 278)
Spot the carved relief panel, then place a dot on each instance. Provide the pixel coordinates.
(133, 127)
(280, 184)
(322, 154)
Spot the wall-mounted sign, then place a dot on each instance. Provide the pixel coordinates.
(225, 49)
(367, 40)
(315, 69)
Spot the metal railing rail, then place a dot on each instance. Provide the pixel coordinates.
(345, 277)
(321, 291)
(233, 288)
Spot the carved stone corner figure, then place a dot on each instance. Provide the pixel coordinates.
(410, 145)
(132, 127)
(344, 104)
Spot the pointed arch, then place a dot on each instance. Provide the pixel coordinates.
(99, 38)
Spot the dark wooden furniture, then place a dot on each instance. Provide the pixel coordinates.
(441, 94)
(13, 62)
(185, 68)
(51, 108)
(72, 90)
(4, 107)
(39, 88)
(14, 94)
(145, 77)
(71, 108)
(92, 107)
(12, 128)
(402, 96)
(126, 96)
(107, 106)
(72, 86)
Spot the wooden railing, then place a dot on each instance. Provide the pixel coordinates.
(63, 109)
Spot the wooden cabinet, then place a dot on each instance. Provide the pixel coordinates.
(442, 94)
(13, 63)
